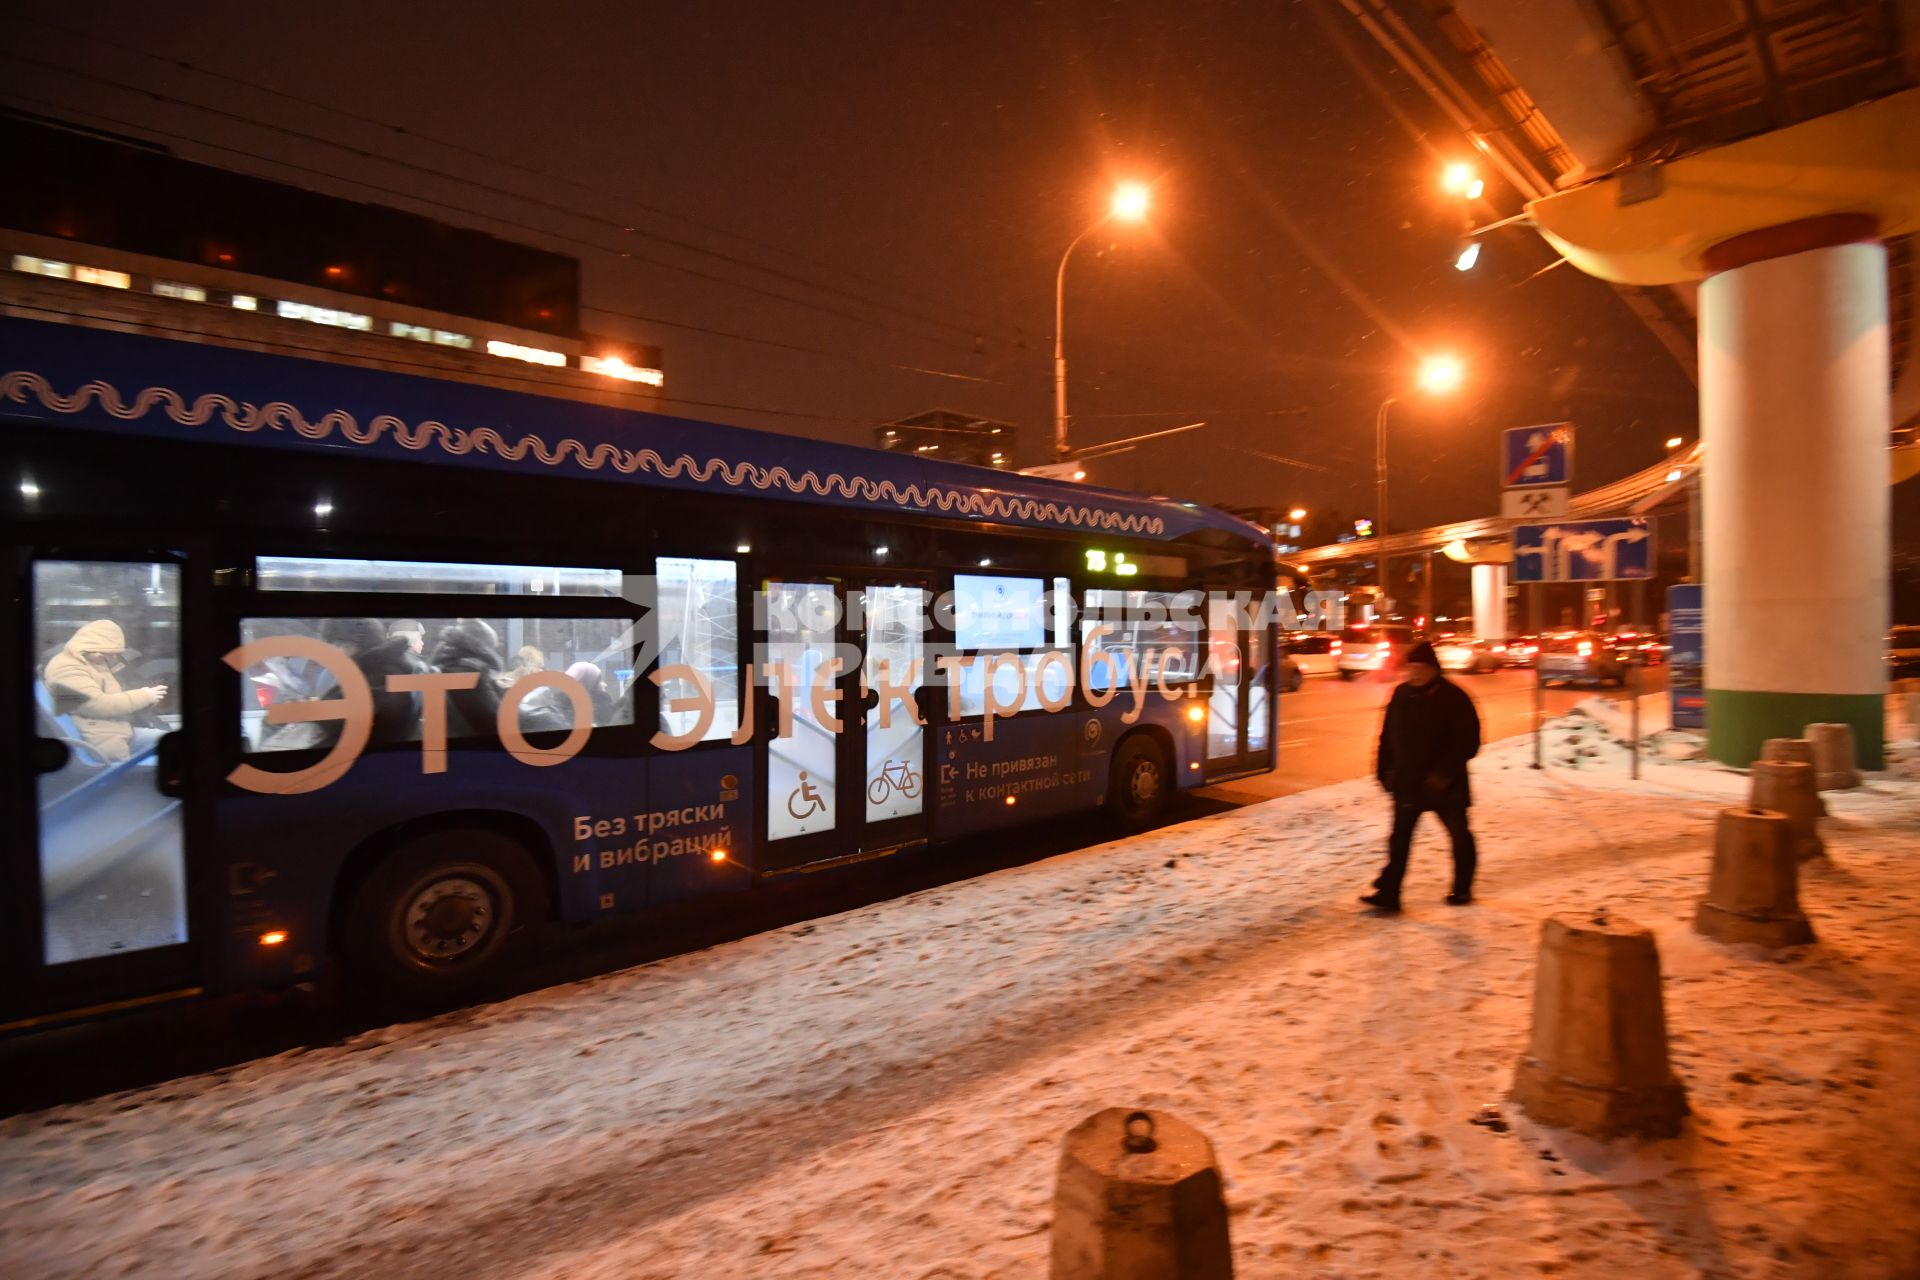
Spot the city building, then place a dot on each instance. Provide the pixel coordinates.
(129, 234)
(950, 436)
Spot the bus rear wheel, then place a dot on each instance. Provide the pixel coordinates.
(1141, 784)
(441, 917)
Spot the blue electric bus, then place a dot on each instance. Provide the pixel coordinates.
(312, 663)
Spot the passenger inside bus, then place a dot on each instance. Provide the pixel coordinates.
(81, 680)
(378, 654)
(383, 648)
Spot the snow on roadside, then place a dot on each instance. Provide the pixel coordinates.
(884, 1091)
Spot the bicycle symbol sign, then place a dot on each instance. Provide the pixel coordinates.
(894, 776)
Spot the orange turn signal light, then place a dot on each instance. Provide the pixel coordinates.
(273, 937)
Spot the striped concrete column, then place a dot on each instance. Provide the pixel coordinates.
(1490, 601)
(1794, 416)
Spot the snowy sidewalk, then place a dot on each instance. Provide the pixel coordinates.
(883, 1093)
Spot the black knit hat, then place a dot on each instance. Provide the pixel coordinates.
(1423, 653)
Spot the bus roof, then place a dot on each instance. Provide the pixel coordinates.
(77, 376)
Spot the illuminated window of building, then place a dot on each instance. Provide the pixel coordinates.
(174, 289)
(245, 302)
(103, 277)
(418, 332)
(532, 355)
(444, 338)
(42, 266)
(324, 315)
(615, 367)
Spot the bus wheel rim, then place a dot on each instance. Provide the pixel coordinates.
(447, 919)
(1144, 782)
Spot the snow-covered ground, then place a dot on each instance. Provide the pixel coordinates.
(882, 1093)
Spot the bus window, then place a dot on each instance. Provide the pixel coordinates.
(801, 769)
(1158, 628)
(106, 668)
(698, 624)
(501, 651)
(317, 573)
(1021, 617)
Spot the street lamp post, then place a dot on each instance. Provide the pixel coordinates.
(1437, 374)
(1130, 202)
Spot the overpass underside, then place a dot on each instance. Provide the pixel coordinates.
(1749, 171)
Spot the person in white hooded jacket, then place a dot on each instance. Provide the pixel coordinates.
(81, 678)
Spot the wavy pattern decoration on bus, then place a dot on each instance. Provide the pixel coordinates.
(280, 416)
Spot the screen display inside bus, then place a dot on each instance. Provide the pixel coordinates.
(999, 613)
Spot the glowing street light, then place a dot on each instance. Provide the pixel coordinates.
(1297, 514)
(1674, 442)
(1130, 203)
(1468, 255)
(1460, 180)
(1437, 375)
(1441, 374)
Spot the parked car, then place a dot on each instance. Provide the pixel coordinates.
(1374, 647)
(1466, 654)
(1903, 653)
(1579, 657)
(1316, 653)
(1522, 650)
(1646, 648)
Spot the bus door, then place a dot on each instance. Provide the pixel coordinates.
(96, 904)
(851, 777)
(1240, 707)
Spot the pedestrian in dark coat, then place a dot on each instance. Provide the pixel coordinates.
(396, 713)
(470, 645)
(1429, 733)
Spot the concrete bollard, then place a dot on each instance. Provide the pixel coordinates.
(1833, 757)
(1596, 1061)
(1793, 749)
(1753, 894)
(1138, 1198)
(1786, 786)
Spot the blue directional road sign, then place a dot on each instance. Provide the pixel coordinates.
(1541, 455)
(1583, 551)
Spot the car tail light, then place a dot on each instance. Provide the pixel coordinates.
(263, 695)
(1499, 648)
(1585, 647)
(1336, 648)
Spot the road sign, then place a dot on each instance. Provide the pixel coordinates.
(1686, 661)
(1541, 455)
(1583, 551)
(1534, 504)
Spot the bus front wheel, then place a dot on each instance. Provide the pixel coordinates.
(438, 919)
(1142, 782)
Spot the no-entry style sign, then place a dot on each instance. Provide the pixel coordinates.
(1536, 456)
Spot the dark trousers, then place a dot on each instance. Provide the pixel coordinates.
(1466, 855)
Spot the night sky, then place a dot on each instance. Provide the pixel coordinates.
(913, 171)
